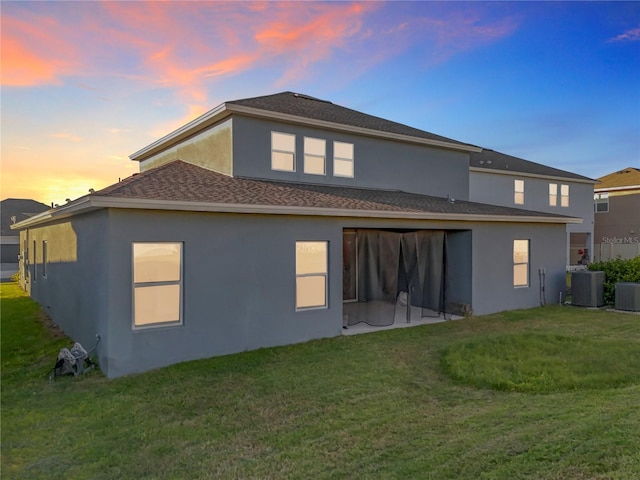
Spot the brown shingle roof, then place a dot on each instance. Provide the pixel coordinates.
(183, 182)
(624, 178)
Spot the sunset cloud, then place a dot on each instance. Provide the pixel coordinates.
(632, 35)
(183, 49)
(33, 53)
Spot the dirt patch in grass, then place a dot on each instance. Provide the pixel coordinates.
(53, 330)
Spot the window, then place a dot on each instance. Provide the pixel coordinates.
(343, 159)
(564, 195)
(553, 194)
(601, 202)
(35, 262)
(44, 258)
(311, 275)
(283, 151)
(25, 260)
(157, 284)
(521, 263)
(314, 156)
(518, 196)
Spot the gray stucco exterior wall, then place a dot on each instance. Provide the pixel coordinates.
(239, 286)
(498, 189)
(378, 163)
(73, 286)
(239, 279)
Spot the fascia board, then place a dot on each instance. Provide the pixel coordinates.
(97, 202)
(255, 112)
(513, 173)
(224, 110)
(109, 202)
(194, 126)
(616, 189)
(61, 212)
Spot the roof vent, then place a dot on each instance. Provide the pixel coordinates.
(308, 97)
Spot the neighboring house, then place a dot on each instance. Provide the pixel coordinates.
(280, 219)
(617, 212)
(501, 179)
(14, 210)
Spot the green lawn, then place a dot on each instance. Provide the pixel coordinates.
(547, 393)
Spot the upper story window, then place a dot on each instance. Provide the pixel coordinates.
(343, 159)
(157, 284)
(314, 156)
(518, 188)
(553, 194)
(283, 151)
(564, 195)
(601, 202)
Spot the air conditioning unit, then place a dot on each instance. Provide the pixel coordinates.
(587, 288)
(628, 296)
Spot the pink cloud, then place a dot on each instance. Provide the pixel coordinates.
(35, 53)
(187, 46)
(632, 35)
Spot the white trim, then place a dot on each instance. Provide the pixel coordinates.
(617, 189)
(224, 110)
(207, 119)
(255, 112)
(95, 202)
(532, 175)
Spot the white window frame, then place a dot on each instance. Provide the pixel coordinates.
(343, 160)
(278, 149)
(518, 192)
(315, 150)
(25, 259)
(44, 259)
(518, 261)
(564, 195)
(601, 198)
(303, 274)
(160, 283)
(553, 194)
(35, 260)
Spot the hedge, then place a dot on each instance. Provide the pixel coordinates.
(615, 271)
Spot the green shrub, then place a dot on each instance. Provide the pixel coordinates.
(615, 271)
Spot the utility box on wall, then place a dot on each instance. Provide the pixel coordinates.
(587, 288)
(628, 296)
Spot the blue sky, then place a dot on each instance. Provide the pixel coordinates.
(85, 84)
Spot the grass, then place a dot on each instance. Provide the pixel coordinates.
(392, 404)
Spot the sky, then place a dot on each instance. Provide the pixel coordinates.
(86, 84)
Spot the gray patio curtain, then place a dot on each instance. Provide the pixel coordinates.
(393, 262)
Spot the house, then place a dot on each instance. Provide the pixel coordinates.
(617, 215)
(501, 179)
(280, 219)
(13, 210)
